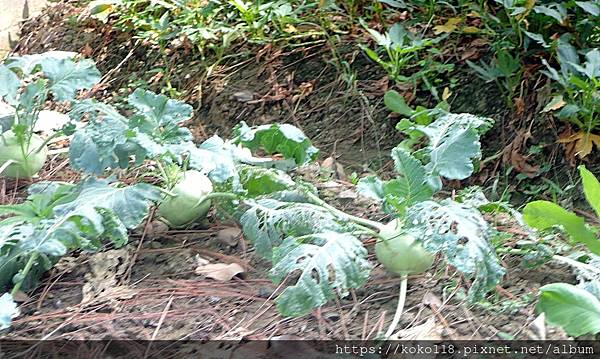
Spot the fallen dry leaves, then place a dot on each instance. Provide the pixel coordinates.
(579, 144)
(220, 271)
(512, 154)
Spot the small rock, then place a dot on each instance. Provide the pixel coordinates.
(243, 96)
(155, 228)
(230, 236)
(348, 194)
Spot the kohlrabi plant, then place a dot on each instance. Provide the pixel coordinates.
(424, 226)
(57, 217)
(314, 247)
(412, 117)
(575, 308)
(26, 83)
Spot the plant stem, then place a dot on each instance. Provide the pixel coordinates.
(167, 192)
(362, 221)
(399, 308)
(26, 270)
(214, 195)
(577, 264)
(163, 173)
(558, 258)
(46, 142)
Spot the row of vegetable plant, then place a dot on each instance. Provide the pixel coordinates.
(285, 219)
(317, 249)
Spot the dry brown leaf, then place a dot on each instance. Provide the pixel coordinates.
(335, 168)
(102, 280)
(470, 29)
(429, 330)
(87, 50)
(513, 156)
(430, 299)
(220, 271)
(521, 165)
(520, 105)
(470, 54)
(450, 26)
(583, 143)
(480, 42)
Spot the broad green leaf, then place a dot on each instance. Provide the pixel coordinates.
(285, 139)
(543, 215)
(588, 277)
(216, 159)
(554, 10)
(537, 38)
(268, 221)
(462, 234)
(43, 197)
(396, 103)
(371, 187)
(67, 217)
(329, 264)
(454, 144)
(102, 9)
(574, 309)
(111, 140)
(591, 188)
(556, 103)
(67, 76)
(394, 3)
(73, 217)
(8, 310)
(259, 181)
(567, 56)
(381, 39)
(100, 145)
(592, 64)
(9, 84)
(26, 64)
(31, 99)
(592, 7)
(412, 182)
(95, 110)
(158, 109)
(411, 186)
(397, 34)
(130, 204)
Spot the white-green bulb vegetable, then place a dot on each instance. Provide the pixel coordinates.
(186, 205)
(399, 252)
(27, 161)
